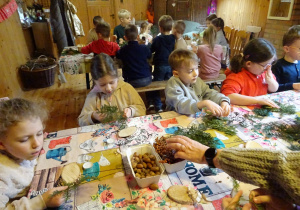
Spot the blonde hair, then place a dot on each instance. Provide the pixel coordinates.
(210, 36)
(180, 57)
(16, 110)
(123, 13)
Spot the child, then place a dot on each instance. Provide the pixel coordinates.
(210, 18)
(178, 31)
(102, 45)
(287, 68)
(210, 55)
(21, 140)
(136, 69)
(218, 24)
(125, 18)
(92, 35)
(186, 93)
(145, 28)
(162, 46)
(110, 91)
(251, 74)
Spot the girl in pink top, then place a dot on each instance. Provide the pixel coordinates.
(210, 55)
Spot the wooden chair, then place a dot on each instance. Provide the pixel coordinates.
(228, 33)
(238, 42)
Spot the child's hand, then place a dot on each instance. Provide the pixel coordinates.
(232, 203)
(96, 116)
(226, 108)
(296, 86)
(211, 106)
(267, 102)
(114, 38)
(127, 112)
(261, 196)
(269, 76)
(54, 201)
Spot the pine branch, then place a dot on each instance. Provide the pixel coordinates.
(197, 133)
(220, 124)
(112, 114)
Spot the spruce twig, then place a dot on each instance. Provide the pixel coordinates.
(112, 114)
(197, 133)
(220, 124)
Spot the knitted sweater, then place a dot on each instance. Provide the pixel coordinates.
(15, 179)
(277, 171)
(125, 96)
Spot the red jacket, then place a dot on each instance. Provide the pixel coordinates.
(101, 46)
(244, 83)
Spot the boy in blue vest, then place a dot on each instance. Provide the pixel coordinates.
(287, 68)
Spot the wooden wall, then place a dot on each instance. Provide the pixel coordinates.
(14, 52)
(241, 13)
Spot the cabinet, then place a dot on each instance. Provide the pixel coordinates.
(43, 39)
(280, 9)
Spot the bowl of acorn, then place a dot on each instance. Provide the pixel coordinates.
(166, 155)
(144, 164)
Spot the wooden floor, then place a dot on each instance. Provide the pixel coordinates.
(64, 101)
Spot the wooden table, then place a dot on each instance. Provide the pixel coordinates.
(115, 182)
(75, 64)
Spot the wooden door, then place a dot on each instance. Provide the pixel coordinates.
(104, 8)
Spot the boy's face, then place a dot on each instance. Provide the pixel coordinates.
(107, 84)
(24, 140)
(293, 51)
(188, 73)
(126, 20)
(176, 34)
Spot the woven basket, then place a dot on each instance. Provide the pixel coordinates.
(33, 76)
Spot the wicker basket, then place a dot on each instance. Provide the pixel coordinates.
(33, 76)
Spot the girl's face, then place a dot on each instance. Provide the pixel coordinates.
(24, 140)
(107, 84)
(208, 23)
(259, 68)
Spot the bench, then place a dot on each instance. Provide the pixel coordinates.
(161, 85)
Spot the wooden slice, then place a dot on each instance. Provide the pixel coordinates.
(70, 173)
(252, 144)
(183, 195)
(127, 132)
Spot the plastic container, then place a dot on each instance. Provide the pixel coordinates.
(142, 149)
(171, 168)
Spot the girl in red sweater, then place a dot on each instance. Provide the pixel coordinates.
(251, 74)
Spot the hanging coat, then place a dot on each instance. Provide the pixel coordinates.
(73, 20)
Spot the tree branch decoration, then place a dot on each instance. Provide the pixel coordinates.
(112, 114)
(288, 132)
(218, 123)
(197, 133)
(266, 110)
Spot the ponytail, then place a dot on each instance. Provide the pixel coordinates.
(237, 63)
(209, 36)
(257, 51)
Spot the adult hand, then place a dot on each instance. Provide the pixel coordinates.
(267, 102)
(262, 196)
(226, 108)
(211, 106)
(96, 116)
(54, 201)
(187, 149)
(232, 203)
